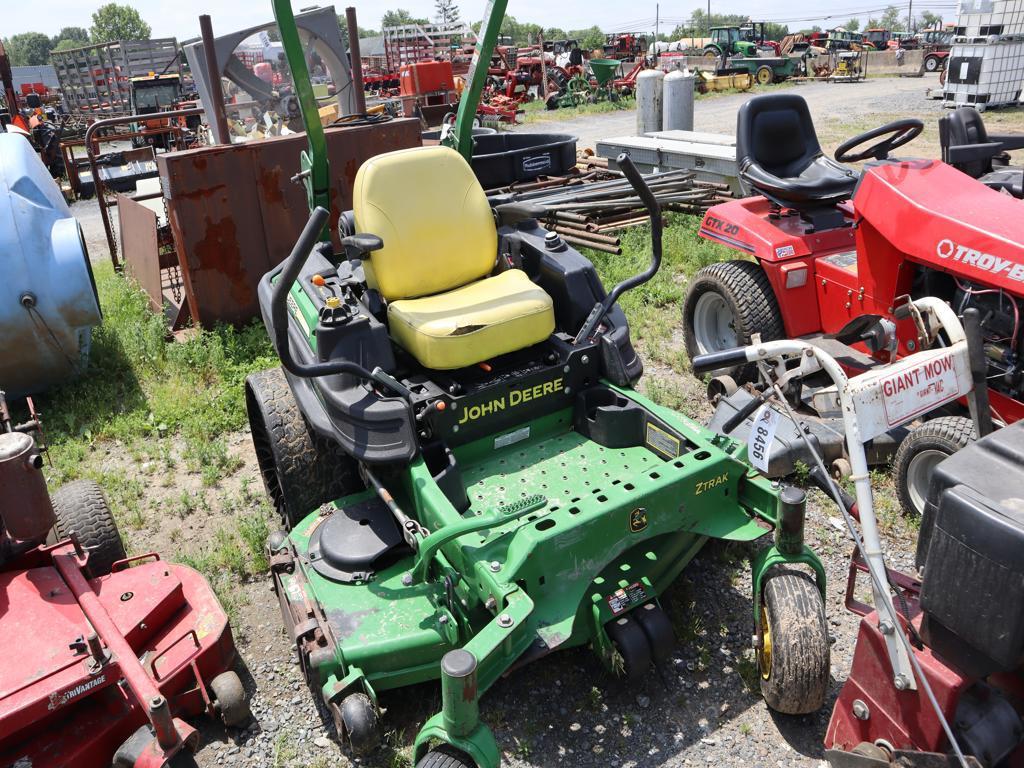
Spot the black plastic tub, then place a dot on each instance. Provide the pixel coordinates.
(503, 158)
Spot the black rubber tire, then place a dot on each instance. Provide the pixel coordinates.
(657, 628)
(946, 434)
(360, 723)
(797, 681)
(82, 509)
(445, 756)
(230, 698)
(184, 759)
(632, 644)
(301, 470)
(764, 75)
(931, 64)
(745, 288)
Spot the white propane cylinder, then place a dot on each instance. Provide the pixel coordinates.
(648, 101)
(678, 101)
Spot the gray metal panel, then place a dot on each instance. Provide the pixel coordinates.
(710, 162)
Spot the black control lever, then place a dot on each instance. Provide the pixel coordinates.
(279, 315)
(743, 413)
(636, 180)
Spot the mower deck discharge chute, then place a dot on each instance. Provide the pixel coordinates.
(468, 480)
(834, 251)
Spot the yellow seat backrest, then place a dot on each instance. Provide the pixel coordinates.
(432, 214)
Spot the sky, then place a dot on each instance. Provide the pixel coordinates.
(179, 18)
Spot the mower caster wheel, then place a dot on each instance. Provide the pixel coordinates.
(657, 629)
(721, 386)
(921, 451)
(793, 657)
(445, 756)
(632, 645)
(357, 722)
(230, 699)
(81, 509)
(840, 470)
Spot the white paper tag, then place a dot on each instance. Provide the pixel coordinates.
(762, 435)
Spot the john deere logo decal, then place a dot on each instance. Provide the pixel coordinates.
(638, 520)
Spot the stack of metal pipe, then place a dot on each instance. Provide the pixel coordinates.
(591, 213)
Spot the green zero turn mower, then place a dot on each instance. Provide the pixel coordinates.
(466, 476)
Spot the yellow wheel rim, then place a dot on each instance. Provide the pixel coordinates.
(764, 77)
(764, 656)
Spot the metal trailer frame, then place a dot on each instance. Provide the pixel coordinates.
(96, 79)
(410, 43)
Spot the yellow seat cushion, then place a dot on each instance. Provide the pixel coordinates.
(476, 322)
(430, 211)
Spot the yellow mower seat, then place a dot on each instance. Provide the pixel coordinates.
(479, 321)
(440, 245)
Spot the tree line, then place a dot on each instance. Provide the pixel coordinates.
(109, 22)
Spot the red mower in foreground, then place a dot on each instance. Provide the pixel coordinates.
(103, 655)
(831, 245)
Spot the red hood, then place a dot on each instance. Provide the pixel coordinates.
(942, 217)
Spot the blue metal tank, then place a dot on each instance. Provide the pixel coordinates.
(48, 300)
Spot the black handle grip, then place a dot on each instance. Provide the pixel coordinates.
(712, 361)
(743, 414)
(636, 180)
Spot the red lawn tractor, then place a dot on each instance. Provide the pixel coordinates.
(826, 245)
(103, 655)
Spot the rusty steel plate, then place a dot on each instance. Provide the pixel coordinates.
(235, 213)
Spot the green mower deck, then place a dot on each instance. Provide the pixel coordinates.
(563, 541)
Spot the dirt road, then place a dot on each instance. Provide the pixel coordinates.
(832, 104)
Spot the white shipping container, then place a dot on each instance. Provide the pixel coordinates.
(982, 18)
(985, 74)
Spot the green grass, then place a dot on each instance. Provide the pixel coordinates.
(141, 390)
(537, 112)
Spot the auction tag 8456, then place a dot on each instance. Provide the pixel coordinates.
(762, 434)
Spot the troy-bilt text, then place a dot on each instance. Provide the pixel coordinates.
(997, 265)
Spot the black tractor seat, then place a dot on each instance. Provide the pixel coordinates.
(779, 156)
(968, 147)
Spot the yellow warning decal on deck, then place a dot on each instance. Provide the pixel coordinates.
(661, 442)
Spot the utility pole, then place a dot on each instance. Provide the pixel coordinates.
(910, 18)
(657, 18)
(709, 18)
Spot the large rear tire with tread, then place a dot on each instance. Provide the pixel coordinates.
(82, 509)
(794, 657)
(445, 756)
(921, 451)
(301, 470)
(725, 305)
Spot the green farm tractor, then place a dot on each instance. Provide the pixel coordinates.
(745, 40)
(466, 476)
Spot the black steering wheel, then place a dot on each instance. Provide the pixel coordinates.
(897, 133)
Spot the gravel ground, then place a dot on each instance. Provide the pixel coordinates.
(565, 711)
